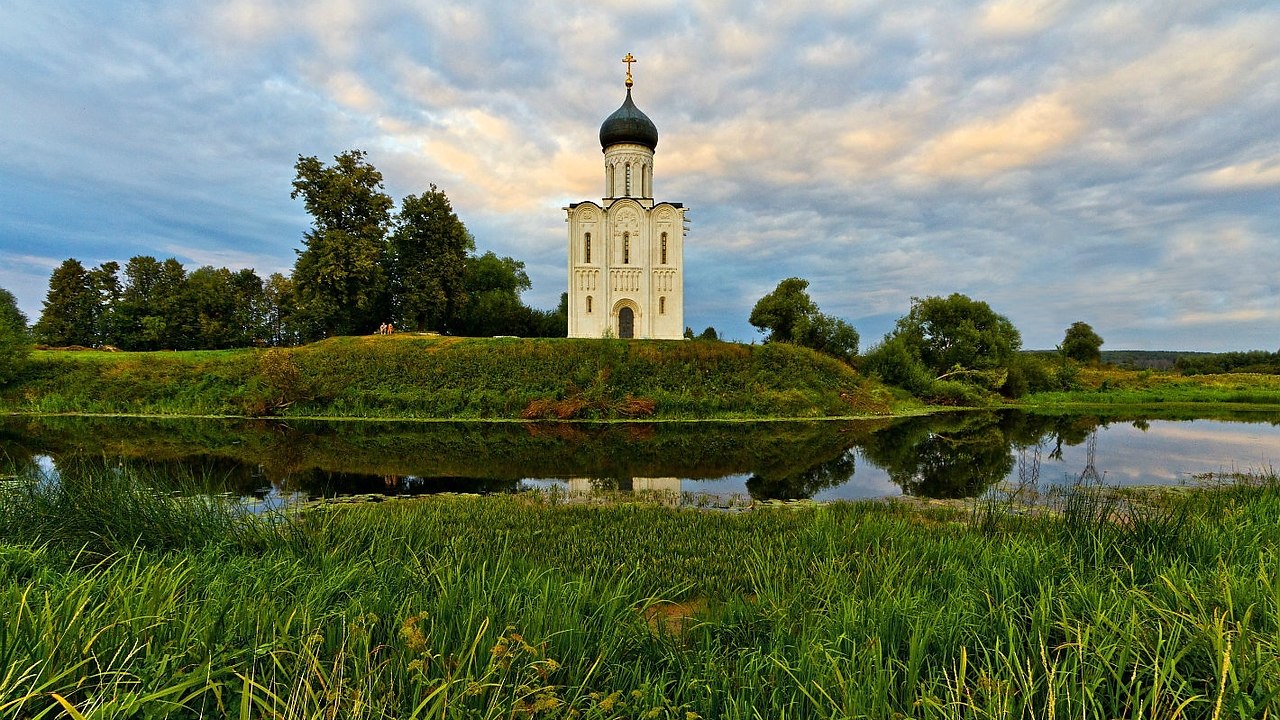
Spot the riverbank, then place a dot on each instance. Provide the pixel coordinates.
(1106, 388)
(119, 601)
(424, 377)
(431, 377)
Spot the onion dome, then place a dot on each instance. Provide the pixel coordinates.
(628, 125)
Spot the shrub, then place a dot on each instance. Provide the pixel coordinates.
(893, 362)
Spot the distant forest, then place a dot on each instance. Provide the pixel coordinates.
(1189, 362)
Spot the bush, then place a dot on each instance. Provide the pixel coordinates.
(893, 363)
(1028, 374)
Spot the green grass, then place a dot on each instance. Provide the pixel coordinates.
(521, 606)
(472, 378)
(1101, 387)
(426, 377)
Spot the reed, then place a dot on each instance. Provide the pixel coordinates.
(531, 607)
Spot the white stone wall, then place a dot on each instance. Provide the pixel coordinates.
(627, 266)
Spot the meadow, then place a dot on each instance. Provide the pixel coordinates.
(121, 596)
(431, 377)
(423, 377)
(1104, 387)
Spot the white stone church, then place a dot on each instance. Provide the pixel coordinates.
(626, 254)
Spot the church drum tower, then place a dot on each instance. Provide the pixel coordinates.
(626, 255)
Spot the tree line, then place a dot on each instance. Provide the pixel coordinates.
(363, 263)
(949, 350)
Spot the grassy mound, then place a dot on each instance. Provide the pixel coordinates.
(435, 377)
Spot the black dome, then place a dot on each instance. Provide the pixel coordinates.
(628, 125)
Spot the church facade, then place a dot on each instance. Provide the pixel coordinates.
(626, 253)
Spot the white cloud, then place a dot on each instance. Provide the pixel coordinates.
(1251, 174)
(1013, 18)
(1022, 136)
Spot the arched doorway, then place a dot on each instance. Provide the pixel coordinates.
(626, 322)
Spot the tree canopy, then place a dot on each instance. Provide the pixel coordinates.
(778, 313)
(360, 266)
(339, 278)
(788, 314)
(70, 308)
(958, 332)
(951, 338)
(428, 261)
(1082, 344)
(15, 341)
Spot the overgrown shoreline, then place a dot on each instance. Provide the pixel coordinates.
(123, 602)
(439, 378)
(424, 377)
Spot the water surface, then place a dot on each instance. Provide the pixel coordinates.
(953, 455)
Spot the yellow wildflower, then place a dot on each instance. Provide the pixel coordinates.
(414, 639)
(608, 703)
(546, 702)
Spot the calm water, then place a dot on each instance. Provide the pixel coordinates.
(953, 455)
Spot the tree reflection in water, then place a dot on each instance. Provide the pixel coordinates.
(949, 455)
(805, 483)
(952, 456)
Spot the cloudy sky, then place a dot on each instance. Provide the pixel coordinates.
(1112, 162)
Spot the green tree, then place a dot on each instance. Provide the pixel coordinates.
(953, 338)
(827, 334)
(550, 323)
(105, 281)
(70, 308)
(15, 340)
(709, 334)
(209, 303)
(340, 284)
(780, 311)
(788, 314)
(493, 285)
(248, 319)
(278, 308)
(958, 332)
(151, 313)
(1082, 344)
(427, 261)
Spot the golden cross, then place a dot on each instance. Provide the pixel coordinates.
(628, 60)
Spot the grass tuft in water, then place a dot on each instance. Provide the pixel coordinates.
(101, 510)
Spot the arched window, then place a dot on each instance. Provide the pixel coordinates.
(588, 303)
(628, 179)
(586, 247)
(662, 306)
(664, 249)
(626, 248)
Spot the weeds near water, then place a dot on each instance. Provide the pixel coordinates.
(531, 607)
(99, 509)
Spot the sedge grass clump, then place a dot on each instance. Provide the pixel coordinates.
(104, 509)
(519, 607)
